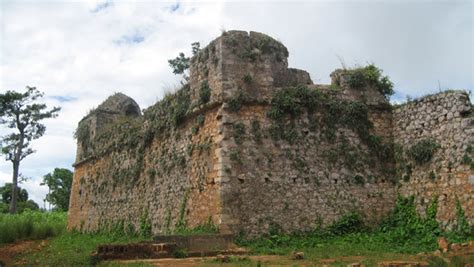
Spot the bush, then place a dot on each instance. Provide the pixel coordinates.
(205, 93)
(405, 227)
(404, 230)
(31, 225)
(236, 102)
(370, 76)
(349, 223)
(423, 151)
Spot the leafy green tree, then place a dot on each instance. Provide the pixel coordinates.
(6, 192)
(21, 112)
(59, 183)
(29, 204)
(180, 64)
(23, 201)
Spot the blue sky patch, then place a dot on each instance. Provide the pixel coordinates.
(174, 7)
(135, 38)
(102, 6)
(64, 98)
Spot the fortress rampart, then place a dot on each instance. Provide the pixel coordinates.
(249, 144)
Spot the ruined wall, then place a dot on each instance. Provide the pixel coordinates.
(251, 144)
(446, 120)
(174, 171)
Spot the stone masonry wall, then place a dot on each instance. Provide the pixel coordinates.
(250, 144)
(446, 119)
(176, 172)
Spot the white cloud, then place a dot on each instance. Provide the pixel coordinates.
(85, 50)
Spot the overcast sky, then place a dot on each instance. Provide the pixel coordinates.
(78, 53)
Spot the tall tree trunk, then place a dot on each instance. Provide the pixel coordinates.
(16, 166)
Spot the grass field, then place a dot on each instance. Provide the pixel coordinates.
(401, 236)
(74, 249)
(31, 225)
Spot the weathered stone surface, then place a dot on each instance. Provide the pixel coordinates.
(120, 103)
(447, 174)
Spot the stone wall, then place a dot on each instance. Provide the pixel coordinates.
(167, 178)
(446, 119)
(250, 144)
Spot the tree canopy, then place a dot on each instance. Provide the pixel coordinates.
(180, 64)
(59, 183)
(23, 201)
(22, 113)
(6, 192)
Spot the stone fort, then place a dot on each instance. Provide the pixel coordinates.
(249, 143)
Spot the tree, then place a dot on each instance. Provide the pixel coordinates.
(6, 192)
(180, 64)
(59, 183)
(20, 111)
(29, 204)
(23, 201)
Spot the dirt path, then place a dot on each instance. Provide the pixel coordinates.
(264, 260)
(9, 252)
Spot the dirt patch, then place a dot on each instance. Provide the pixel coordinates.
(9, 252)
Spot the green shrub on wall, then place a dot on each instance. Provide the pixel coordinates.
(236, 101)
(288, 104)
(423, 151)
(204, 93)
(370, 76)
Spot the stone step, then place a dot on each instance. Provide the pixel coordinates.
(168, 246)
(199, 243)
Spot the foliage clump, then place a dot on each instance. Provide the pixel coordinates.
(462, 229)
(145, 225)
(236, 101)
(204, 93)
(423, 151)
(288, 104)
(59, 183)
(404, 230)
(239, 132)
(256, 131)
(348, 223)
(370, 75)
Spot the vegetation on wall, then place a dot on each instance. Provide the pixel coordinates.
(404, 230)
(239, 132)
(256, 131)
(423, 151)
(204, 93)
(236, 101)
(288, 104)
(82, 135)
(467, 157)
(371, 76)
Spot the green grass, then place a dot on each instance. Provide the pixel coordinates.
(74, 249)
(403, 231)
(401, 235)
(31, 225)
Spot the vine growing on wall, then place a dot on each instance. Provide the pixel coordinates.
(181, 222)
(288, 104)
